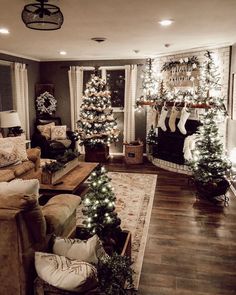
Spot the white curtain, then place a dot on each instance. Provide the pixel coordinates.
(130, 97)
(76, 92)
(21, 100)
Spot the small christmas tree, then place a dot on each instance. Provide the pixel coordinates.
(97, 125)
(99, 206)
(151, 136)
(210, 163)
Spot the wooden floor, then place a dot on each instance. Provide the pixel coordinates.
(191, 247)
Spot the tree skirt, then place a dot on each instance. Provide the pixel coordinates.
(135, 194)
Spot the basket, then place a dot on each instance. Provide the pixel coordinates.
(134, 153)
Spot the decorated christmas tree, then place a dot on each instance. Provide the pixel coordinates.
(99, 206)
(97, 125)
(151, 136)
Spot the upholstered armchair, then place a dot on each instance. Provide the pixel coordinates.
(52, 146)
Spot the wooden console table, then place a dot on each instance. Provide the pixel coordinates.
(70, 182)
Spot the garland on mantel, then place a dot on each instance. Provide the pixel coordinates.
(189, 62)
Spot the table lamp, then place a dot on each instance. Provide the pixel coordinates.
(11, 120)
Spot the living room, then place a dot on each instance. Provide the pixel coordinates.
(164, 73)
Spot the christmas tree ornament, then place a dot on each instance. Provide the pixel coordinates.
(161, 121)
(173, 115)
(185, 113)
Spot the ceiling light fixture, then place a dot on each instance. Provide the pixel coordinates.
(98, 39)
(42, 16)
(4, 31)
(63, 52)
(166, 22)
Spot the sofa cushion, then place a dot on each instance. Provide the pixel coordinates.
(6, 175)
(58, 210)
(31, 211)
(65, 274)
(20, 186)
(19, 143)
(45, 130)
(89, 251)
(8, 153)
(21, 168)
(58, 132)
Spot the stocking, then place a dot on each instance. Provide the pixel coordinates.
(173, 115)
(183, 118)
(161, 122)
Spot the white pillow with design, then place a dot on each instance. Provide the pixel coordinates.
(64, 273)
(8, 154)
(27, 187)
(45, 130)
(89, 251)
(58, 132)
(19, 143)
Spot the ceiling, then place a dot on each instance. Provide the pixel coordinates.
(128, 25)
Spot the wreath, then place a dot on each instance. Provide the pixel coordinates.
(46, 103)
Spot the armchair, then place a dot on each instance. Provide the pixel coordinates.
(52, 148)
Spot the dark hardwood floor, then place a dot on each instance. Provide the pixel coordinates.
(191, 246)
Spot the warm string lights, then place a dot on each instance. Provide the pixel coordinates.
(99, 204)
(97, 124)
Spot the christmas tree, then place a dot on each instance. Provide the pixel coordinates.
(210, 163)
(99, 205)
(151, 136)
(149, 84)
(97, 125)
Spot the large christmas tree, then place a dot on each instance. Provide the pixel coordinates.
(97, 125)
(99, 206)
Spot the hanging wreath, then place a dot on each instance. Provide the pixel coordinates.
(46, 103)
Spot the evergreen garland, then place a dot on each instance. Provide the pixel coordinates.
(191, 62)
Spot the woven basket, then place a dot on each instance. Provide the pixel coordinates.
(133, 154)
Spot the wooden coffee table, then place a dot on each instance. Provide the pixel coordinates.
(70, 182)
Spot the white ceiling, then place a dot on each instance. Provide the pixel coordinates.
(128, 25)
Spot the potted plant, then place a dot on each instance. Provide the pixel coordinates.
(97, 127)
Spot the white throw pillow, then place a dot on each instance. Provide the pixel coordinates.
(58, 132)
(19, 143)
(8, 154)
(65, 274)
(27, 187)
(89, 251)
(45, 130)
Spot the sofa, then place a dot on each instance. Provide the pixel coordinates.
(27, 228)
(28, 169)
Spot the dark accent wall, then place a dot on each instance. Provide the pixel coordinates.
(57, 74)
(33, 78)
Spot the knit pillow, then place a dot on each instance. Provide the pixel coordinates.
(8, 154)
(58, 132)
(20, 186)
(89, 251)
(65, 274)
(19, 143)
(45, 130)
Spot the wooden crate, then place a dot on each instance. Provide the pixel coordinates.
(51, 178)
(133, 154)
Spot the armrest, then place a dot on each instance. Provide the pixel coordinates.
(34, 156)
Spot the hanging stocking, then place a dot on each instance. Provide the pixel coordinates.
(183, 118)
(161, 122)
(173, 115)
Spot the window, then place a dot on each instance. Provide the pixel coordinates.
(6, 86)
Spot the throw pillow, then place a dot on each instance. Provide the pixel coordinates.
(19, 143)
(45, 130)
(8, 154)
(31, 211)
(58, 132)
(89, 251)
(65, 274)
(20, 186)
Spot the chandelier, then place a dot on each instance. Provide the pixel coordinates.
(42, 16)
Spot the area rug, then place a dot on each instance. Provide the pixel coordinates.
(135, 194)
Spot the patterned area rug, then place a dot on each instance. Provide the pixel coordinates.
(135, 194)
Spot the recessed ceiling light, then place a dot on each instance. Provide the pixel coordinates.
(63, 52)
(165, 22)
(98, 39)
(4, 31)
